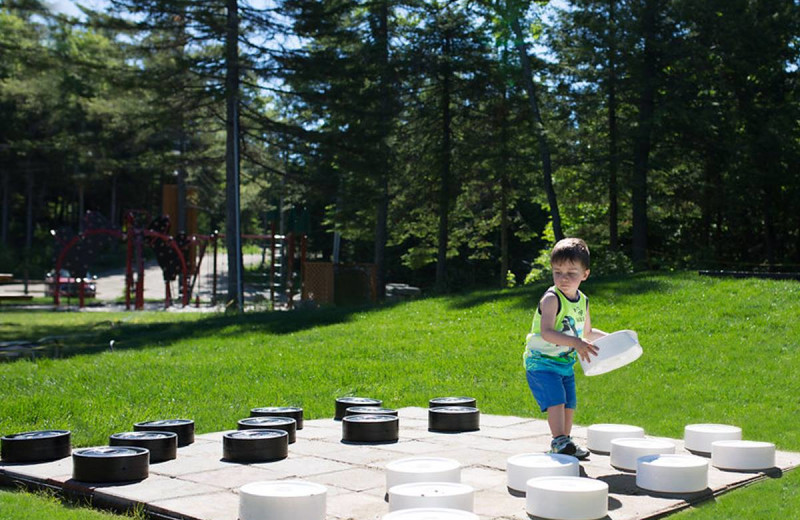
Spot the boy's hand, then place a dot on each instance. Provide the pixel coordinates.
(586, 350)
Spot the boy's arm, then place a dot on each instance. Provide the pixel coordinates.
(549, 305)
(588, 332)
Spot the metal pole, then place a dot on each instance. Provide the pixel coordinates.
(272, 266)
(128, 261)
(214, 276)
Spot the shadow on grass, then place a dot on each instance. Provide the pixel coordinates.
(617, 287)
(63, 341)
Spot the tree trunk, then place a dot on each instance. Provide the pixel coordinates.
(504, 189)
(641, 151)
(538, 125)
(503, 229)
(232, 220)
(613, 152)
(4, 219)
(444, 179)
(29, 180)
(112, 216)
(28, 223)
(381, 236)
(769, 196)
(382, 213)
(180, 182)
(713, 200)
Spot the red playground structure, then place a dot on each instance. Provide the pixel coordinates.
(179, 257)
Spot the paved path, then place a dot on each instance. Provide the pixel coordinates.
(111, 284)
(199, 485)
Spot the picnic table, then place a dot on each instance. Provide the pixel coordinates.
(8, 277)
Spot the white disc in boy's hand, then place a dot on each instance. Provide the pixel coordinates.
(615, 350)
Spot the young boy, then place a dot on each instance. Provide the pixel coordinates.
(561, 328)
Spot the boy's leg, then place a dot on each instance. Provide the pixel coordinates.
(556, 419)
(569, 413)
(548, 389)
(549, 393)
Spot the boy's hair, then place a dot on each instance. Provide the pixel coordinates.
(570, 250)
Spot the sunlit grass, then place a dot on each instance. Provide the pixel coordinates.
(714, 351)
(40, 506)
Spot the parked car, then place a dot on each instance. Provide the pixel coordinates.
(69, 286)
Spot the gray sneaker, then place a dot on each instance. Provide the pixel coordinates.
(563, 445)
(580, 453)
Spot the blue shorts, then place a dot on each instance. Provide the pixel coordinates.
(551, 389)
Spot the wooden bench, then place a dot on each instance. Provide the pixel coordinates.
(16, 297)
(6, 277)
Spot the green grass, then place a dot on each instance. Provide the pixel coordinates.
(40, 506)
(715, 351)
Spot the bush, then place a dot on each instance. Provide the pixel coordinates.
(511, 280)
(540, 268)
(604, 262)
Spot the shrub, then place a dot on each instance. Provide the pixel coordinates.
(604, 262)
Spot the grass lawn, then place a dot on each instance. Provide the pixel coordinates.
(715, 351)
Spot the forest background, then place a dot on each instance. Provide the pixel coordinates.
(450, 142)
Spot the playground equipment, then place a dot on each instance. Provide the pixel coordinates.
(76, 254)
(180, 257)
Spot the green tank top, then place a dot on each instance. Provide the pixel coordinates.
(542, 355)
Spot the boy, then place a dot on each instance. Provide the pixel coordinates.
(560, 324)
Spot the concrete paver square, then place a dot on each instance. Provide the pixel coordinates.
(233, 477)
(785, 459)
(475, 457)
(497, 504)
(223, 505)
(411, 447)
(203, 448)
(501, 421)
(356, 505)
(499, 445)
(410, 423)
(206, 437)
(58, 469)
(302, 467)
(718, 478)
(407, 434)
(413, 412)
(356, 479)
(318, 447)
(482, 478)
(633, 507)
(157, 487)
(508, 434)
(184, 465)
(349, 454)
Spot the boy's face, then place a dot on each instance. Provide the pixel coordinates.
(568, 275)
